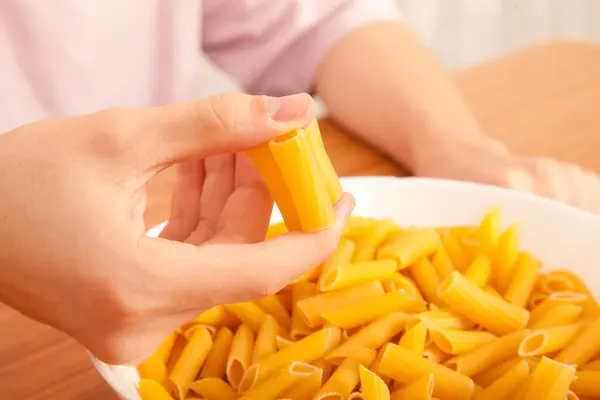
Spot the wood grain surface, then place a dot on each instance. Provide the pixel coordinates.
(543, 100)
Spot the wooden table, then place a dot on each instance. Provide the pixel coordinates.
(542, 100)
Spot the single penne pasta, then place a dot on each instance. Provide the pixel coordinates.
(411, 246)
(570, 297)
(306, 388)
(536, 299)
(492, 313)
(442, 263)
(525, 275)
(313, 307)
(300, 291)
(490, 375)
(452, 341)
(489, 231)
(348, 275)
(149, 389)
(240, 355)
(591, 366)
(406, 367)
(282, 343)
(587, 383)
(440, 319)
(216, 362)
(342, 255)
(372, 386)
(458, 256)
(309, 349)
(368, 243)
(426, 278)
(554, 313)
(178, 346)
(508, 384)
(217, 316)
(326, 368)
(345, 378)
(285, 298)
(402, 282)
(552, 283)
(266, 340)
(421, 389)
(415, 338)
(189, 363)
(155, 367)
(357, 226)
(308, 187)
(591, 308)
(273, 306)
(371, 336)
(584, 346)
(192, 330)
(281, 381)
(369, 310)
(549, 340)
(249, 313)
(550, 380)
(213, 388)
(310, 276)
(479, 271)
(506, 257)
(489, 355)
(435, 354)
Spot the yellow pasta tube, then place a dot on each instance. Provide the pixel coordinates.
(455, 342)
(411, 246)
(490, 375)
(421, 389)
(506, 257)
(368, 243)
(341, 256)
(426, 277)
(272, 305)
(415, 338)
(406, 367)
(554, 313)
(489, 231)
(307, 186)
(282, 343)
(313, 307)
(332, 182)
(371, 336)
(372, 386)
(507, 384)
(435, 354)
(367, 311)
(189, 363)
(266, 342)
(305, 388)
(552, 283)
(278, 383)
(480, 271)
(356, 396)
(584, 346)
(521, 285)
(216, 316)
(487, 310)
(458, 256)
(325, 367)
(401, 282)
(591, 308)
(266, 165)
(309, 349)
(149, 389)
(213, 389)
(549, 381)
(346, 376)
(276, 230)
(300, 291)
(216, 362)
(440, 319)
(249, 313)
(536, 299)
(442, 263)
(347, 275)
(587, 383)
(155, 367)
(489, 355)
(549, 340)
(240, 355)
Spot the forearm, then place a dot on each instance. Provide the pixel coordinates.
(381, 83)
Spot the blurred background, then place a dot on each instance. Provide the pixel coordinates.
(467, 32)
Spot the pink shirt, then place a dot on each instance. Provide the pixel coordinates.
(63, 57)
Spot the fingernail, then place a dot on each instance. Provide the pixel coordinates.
(289, 108)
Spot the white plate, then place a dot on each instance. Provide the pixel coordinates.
(563, 237)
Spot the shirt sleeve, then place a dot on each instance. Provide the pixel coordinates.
(275, 47)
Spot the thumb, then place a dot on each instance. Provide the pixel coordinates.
(200, 277)
(223, 123)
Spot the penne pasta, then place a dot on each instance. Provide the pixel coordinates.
(549, 381)
(401, 282)
(216, 363)
(490, 375)
(240, 355)
(421, 389)
(149, 389)
(189, 363)
(273, 306)
(587, 383)
(526, 272)
(356, 396)
(276, 230)
(300, 291)
(312, 308)
(342, 255)
(479, 271)
(427, 279)
(508, 384)
(371, 336)
(506, 257)
(266, 342)
(411, 246)
(306, 387)
(372, 386)
(369, 310)
(591, 366)
(283, 380)
(368, 243)
(458, 256)
(584, 346)
(155, 367)
(282, 343)
(549, 340)
(441, 319)
(435, 354)
(213, 389)
(554, 313)
(552, 283)
(415, 338)
(452, 341)
(442, 263)
(492, 313)
(326, 368)
(400, 364)
(345, 378)
(347, 275)
(249, 313)
(489, 231)
(217, 316)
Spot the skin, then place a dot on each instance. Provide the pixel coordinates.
(74, 254)
(404, 104)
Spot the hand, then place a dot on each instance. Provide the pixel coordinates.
(491, 163)
(73, 252)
